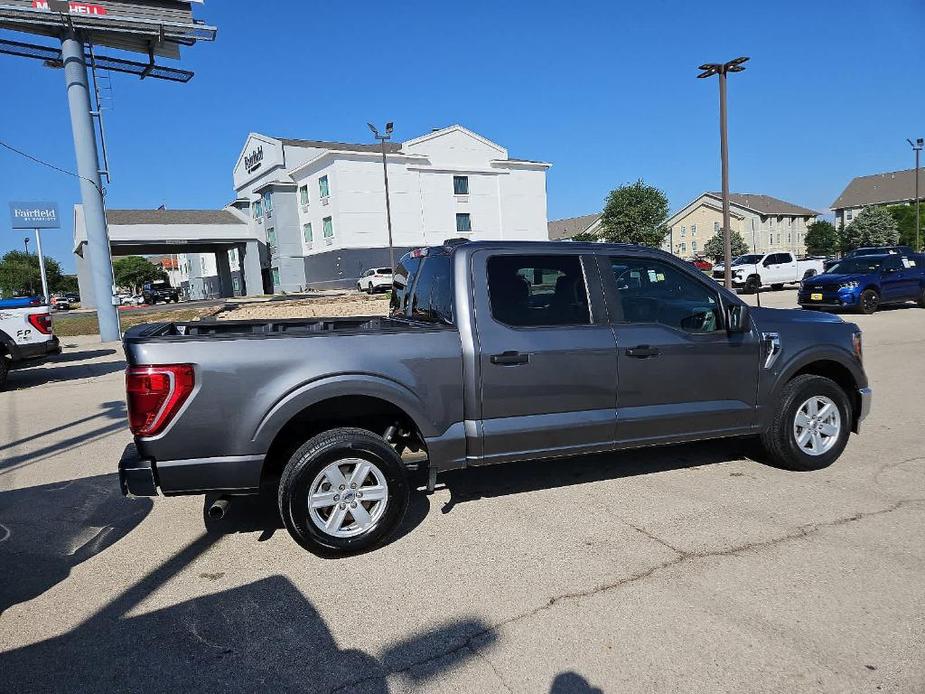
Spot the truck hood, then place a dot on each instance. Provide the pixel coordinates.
(791, 315)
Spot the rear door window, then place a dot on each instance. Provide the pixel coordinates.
(402, 282)
(432, 295)
(537, 290)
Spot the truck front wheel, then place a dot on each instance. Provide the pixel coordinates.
(810, 428)
(344, 491)
(4, 369)
(869, 302)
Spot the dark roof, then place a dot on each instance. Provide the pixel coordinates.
(892, 186)
(340, 146)
(560, 229)
(765, 204)
(133, 217)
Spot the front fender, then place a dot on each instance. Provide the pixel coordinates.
(349, 384)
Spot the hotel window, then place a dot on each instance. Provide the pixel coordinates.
(267, 204)
(789, 237)
(233, 256)
(258, 209)
(460, 185)
(271, 241)
(683, 232)
(778, 238)
(850, 215)
(683, 247)
(327, 228)
(323, 187)
(693, 229)
(275, 276)
(463, 222)
(307, 232)
(716, 226)
(693, 246)
(303, 194)
(789, 221)
(770, 239)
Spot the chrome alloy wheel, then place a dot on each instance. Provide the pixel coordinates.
(348, 497)
(817, 425)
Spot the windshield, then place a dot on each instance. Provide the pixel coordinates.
(858, 265)
(872, 251)
(747, 259)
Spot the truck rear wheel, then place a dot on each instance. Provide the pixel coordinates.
(4, 369)
(810, 429)
(342, 492)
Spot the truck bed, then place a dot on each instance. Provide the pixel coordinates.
(240, 329)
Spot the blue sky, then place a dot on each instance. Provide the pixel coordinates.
(605, 91)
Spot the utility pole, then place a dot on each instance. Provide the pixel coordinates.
(385, 173)
(917, 148)
(710, 69)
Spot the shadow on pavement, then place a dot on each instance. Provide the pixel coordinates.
(81, 355)
(260, 514)
(261, 636)
(52, 528)
(113, 410)
(514, 478)
(50, 373)
(572, 683)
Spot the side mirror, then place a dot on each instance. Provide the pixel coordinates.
(738, 318)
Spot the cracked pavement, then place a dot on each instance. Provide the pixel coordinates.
(689, 568)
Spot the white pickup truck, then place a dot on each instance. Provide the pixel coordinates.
(755, 270)
(25, 338)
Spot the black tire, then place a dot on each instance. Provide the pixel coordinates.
(4, 370)
(779, 440)
(921, 300)
(869, 301)
(777, 287)
(369, 288)
(753, 285)
(307, 463)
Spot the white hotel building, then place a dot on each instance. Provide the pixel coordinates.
(318, 208)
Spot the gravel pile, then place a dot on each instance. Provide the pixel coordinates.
(331, 306)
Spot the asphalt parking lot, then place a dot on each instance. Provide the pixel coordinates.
(690, 568)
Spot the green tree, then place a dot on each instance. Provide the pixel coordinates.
(132, 271)
(874, 226)
(822, 238)
(20, 274)
(904, 216)
(714, 248)
(634, 213)
(67, 283)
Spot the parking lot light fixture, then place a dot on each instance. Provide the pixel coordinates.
(383, 138)
(721, 69)
(917, 148)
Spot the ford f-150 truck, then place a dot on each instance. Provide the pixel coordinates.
(492, 352)
(865, 282)
(753, 271)
(25, 337)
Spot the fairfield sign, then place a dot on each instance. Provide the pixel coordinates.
(84, 8)
(252, 161)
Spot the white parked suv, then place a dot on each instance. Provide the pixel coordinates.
(375, 279)
(755, 270)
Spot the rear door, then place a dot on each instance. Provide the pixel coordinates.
(681, 375)
(897, 282)
(546, 355)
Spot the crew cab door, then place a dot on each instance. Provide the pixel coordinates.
(546, 355)
(778, 268)
(681, 375)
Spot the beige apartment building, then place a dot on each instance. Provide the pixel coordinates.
(766, 223)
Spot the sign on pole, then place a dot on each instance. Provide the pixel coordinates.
(35, 215)
(38, 216)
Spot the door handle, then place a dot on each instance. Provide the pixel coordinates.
(510, 358)
(642, 351)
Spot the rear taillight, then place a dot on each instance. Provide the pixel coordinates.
(155, 394)
(41, 322)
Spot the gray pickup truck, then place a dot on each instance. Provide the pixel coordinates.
(493, 352)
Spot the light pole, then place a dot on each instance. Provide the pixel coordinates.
(710, 69)
(917, 148)
(385, 173)
(26, 241)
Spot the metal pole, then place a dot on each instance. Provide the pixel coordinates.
(29, 265)
(91, 189)
(388, 209)
(724, 154)
(38, 246)
(918, 222)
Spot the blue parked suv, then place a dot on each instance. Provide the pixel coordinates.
(865, 282)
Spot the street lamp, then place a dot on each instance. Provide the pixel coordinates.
(917, 148)
(26, 241)
(385, 173)
(710, 69)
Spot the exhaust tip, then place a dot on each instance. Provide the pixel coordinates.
(219, 508)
